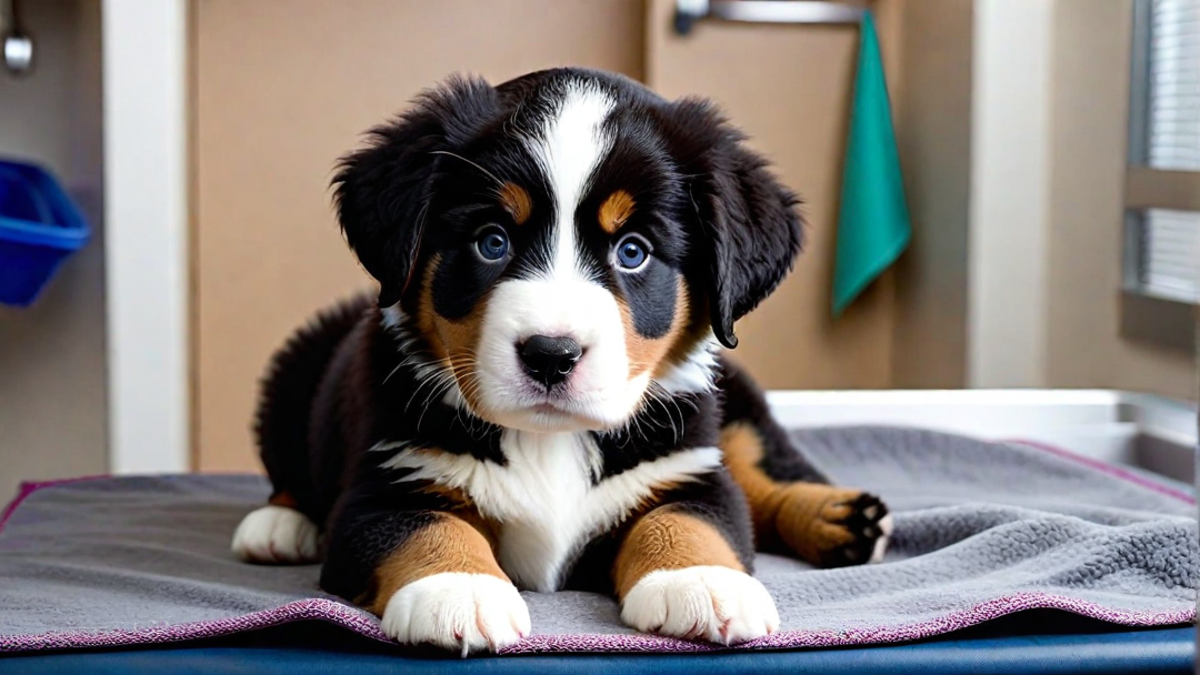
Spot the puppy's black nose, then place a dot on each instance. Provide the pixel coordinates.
(549, 360)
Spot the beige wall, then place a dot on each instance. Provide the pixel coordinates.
(52, 356)
(1091, 65)
(933, 130)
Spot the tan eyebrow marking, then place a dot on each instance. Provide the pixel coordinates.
(516, 201)
(616, 210)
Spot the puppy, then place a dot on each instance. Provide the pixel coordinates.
(536, 400)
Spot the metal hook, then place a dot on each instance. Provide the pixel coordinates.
(18, 47)
(688, 12)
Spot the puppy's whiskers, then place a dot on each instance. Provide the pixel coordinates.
(436, 378)
(482, 170)
(445, 380)
(413, 358)
(464, 365)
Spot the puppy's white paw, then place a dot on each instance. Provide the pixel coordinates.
(276, 535)
(717, 604)
(457, 611)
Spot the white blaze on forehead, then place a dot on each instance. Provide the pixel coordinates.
(562, 299)
(571, 147)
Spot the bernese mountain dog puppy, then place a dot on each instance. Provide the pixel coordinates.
(536, 399)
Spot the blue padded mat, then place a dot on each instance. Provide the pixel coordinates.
(1169, 650)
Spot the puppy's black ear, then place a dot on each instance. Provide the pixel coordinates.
(751, 227)
(382, 190)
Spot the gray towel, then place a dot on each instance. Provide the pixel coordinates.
(982, 530)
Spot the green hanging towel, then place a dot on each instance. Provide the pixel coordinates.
(873, 226)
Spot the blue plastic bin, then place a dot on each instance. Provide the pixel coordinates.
(40, 227)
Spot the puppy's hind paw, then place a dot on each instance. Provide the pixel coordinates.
(276, 535)
(834, 527)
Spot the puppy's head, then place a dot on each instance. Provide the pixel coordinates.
(565, 244)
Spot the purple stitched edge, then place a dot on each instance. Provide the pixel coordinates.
(366, 625)
(27, 488)
(1110, 469)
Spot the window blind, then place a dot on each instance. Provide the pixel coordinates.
(1166, 248)
(1170, 254)
(1173, 111)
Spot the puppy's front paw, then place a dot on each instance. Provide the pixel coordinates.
(456, 611)
(717, 604)
(833, 527)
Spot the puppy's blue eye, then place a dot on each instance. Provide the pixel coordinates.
(632, 252)
(492, 244)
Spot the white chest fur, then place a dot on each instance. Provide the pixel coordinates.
(545, 500)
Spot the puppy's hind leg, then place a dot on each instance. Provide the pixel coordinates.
(284, 531)
(793, 506)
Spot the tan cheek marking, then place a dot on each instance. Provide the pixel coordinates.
(449, 544)
(802, 516)
(461, 340)
(516, 200)
(648, 354)
(454, 342)
(426, 316)
(615, 211)
(666, 539)
(697, 329)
